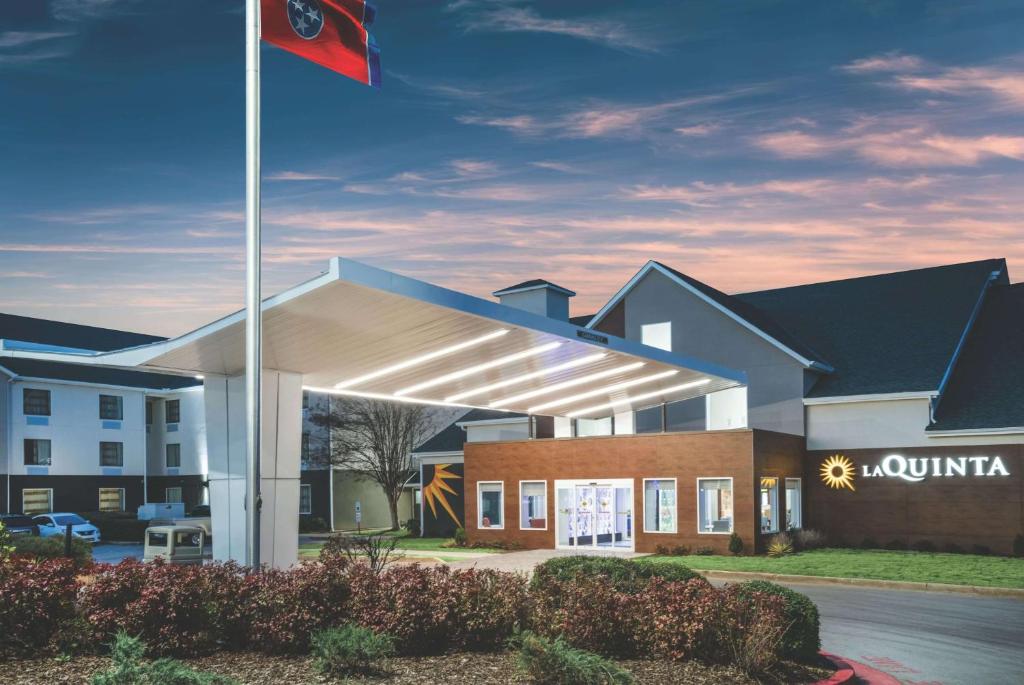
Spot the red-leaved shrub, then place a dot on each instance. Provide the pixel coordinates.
(588, 611)
(284, 608)
(176, 610)
(36, 598)
(430, 610)
(673, 620)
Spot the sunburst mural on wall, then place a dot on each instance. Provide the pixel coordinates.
(435, 491)
(837, 471)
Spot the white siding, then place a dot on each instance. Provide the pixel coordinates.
(191, 434)
(494, 432)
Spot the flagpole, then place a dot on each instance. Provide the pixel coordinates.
(253, 313)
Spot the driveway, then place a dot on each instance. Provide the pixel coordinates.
(111, 553)
(920, 638)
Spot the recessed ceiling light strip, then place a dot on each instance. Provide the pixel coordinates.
(638, 398)
(381, 396)
(575, 363)
(422, 359)
(607, 390)
(479, 368)
(572, 383)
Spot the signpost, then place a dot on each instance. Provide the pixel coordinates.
(359, 516)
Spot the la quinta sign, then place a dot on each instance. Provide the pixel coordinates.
(917, 469)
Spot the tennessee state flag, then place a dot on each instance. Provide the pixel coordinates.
(331, 33)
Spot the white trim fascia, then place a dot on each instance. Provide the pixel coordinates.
(103, 386)
(876, 397)
(968, 327)
(1010, 430)
(493, 422)
(651, 265)
(437, 457)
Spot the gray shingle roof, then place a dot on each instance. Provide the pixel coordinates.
(889, 333)
(45, 332)
(88, 373)
(451, 439)
(986, 389)
(533, 283)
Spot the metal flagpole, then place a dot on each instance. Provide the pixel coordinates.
(253, 313)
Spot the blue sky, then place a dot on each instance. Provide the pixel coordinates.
(749, 144)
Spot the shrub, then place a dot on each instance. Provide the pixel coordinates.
(1018, 545)
(53, 548)
(127, 668)
(554, 662)
(413, 526)
(896, 545)
(981, 549)
(953, 548)
(121, 526)
(350, 649)
(376, 551)
(588, 611)
(312, 524)
(486, 606)
(179, 610)
(623, 574)
(704, 551)
(747, 630)
(801, 639)
(460, 537)
(869, 543)
(36, 598)
(780, 545)
(735, 544)
(672, 619)
(6, 548)
(923, 546)
(808, 539)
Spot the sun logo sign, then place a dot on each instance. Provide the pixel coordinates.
(837, 472)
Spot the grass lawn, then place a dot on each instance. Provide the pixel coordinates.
(921, 567)
(405, 541)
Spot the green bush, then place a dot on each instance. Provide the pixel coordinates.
(52, 548)
(461, 538)
(351, 649)
(802, 638)
(312, 524)
(735, 544)
(117, 526)
(623, 574)
(413, 526)
(1018, 545)
(128, 668)
(704, 551)
(554, 662)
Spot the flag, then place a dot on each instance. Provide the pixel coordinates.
(331, 33)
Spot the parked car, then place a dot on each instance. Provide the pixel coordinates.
(18, 524)
(175, 544)
(54, 524)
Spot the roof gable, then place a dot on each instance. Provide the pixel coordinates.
(61, 334)
(99, 375)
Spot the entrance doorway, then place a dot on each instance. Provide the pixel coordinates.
(594, 514)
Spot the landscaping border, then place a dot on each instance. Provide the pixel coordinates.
(844, 671)
(1017, 593)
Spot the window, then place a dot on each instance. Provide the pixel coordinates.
(714, 505)
(173, 456)
(172, 411)
(533, 505)
(111, 499)
(172, 495)
(36, 501)
(36, 402)
(305, 499)
(660, 505)
(657, 335)
(111, 407)
(149, 413)
(186, 539)
(111, 454)
(769, 504)
(794, 505)
(156, 539)
(649, 420)
(37, 452)
(490, 504)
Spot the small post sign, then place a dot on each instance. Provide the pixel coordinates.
(359, 515)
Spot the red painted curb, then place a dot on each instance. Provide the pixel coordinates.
(844, 672)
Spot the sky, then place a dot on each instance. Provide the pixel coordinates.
(749, 144)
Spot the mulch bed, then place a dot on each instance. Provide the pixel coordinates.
(461, 669)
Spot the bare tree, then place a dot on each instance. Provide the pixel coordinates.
(372, 437)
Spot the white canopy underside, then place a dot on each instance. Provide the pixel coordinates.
(361, 330)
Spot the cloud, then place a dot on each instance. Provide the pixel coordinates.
(890, 62)
(474, 167)
(100, 215)
(1005, 84)
(298, 176)
(916, 146)
(697, 130)
(558, 166)
(503, 19)
(701, 194)
(522, 123)
(79, 10)
(16, 39)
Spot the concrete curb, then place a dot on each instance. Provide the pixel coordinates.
(844, 671)
(866, 582)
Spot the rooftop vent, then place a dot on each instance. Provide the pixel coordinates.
(538, 296)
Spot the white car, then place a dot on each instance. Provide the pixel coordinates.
(51, 525)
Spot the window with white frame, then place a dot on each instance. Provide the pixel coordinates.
(533, 505)
(111, 499)
(305, 499)
(660, 505)
(35, 402)
(172, 411)
(172, 495)
(794, 504)
(111, 407)
(36, 501)
(37, 452)
(714, 505)
(173, 456)
(769, 506)
(111, 454)
(657, 335)
(490, 504)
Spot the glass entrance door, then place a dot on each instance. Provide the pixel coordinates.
(594, 515)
